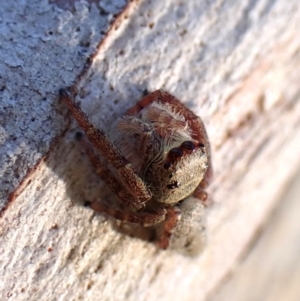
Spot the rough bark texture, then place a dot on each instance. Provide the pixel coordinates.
(236, 64)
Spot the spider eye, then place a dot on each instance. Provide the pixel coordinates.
(201, 145)
(175, 153)
(189, 145)
(167, 165)
(173, 185)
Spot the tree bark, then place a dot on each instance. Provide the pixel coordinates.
(234, 64)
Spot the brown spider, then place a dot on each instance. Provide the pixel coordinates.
(158, 163)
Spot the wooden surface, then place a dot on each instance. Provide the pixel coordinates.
(234, 64)
(270, 269)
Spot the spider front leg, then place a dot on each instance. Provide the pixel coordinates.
(200, 192)
(106, 175)
(145, 218)
(130, 180)
(184, 228)
(202, 196)
(171, 220)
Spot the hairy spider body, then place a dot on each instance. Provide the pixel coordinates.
(164, 147)
(161, 156)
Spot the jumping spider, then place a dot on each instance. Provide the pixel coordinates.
(158, 163)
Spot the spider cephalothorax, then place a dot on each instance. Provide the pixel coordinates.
(161, 156)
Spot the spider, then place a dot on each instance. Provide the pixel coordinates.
(157, 162)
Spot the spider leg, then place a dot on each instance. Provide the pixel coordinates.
(106, 175)
(202, 195)
(130, 180)
(184, 229)
(145, 218)
(172, 217)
